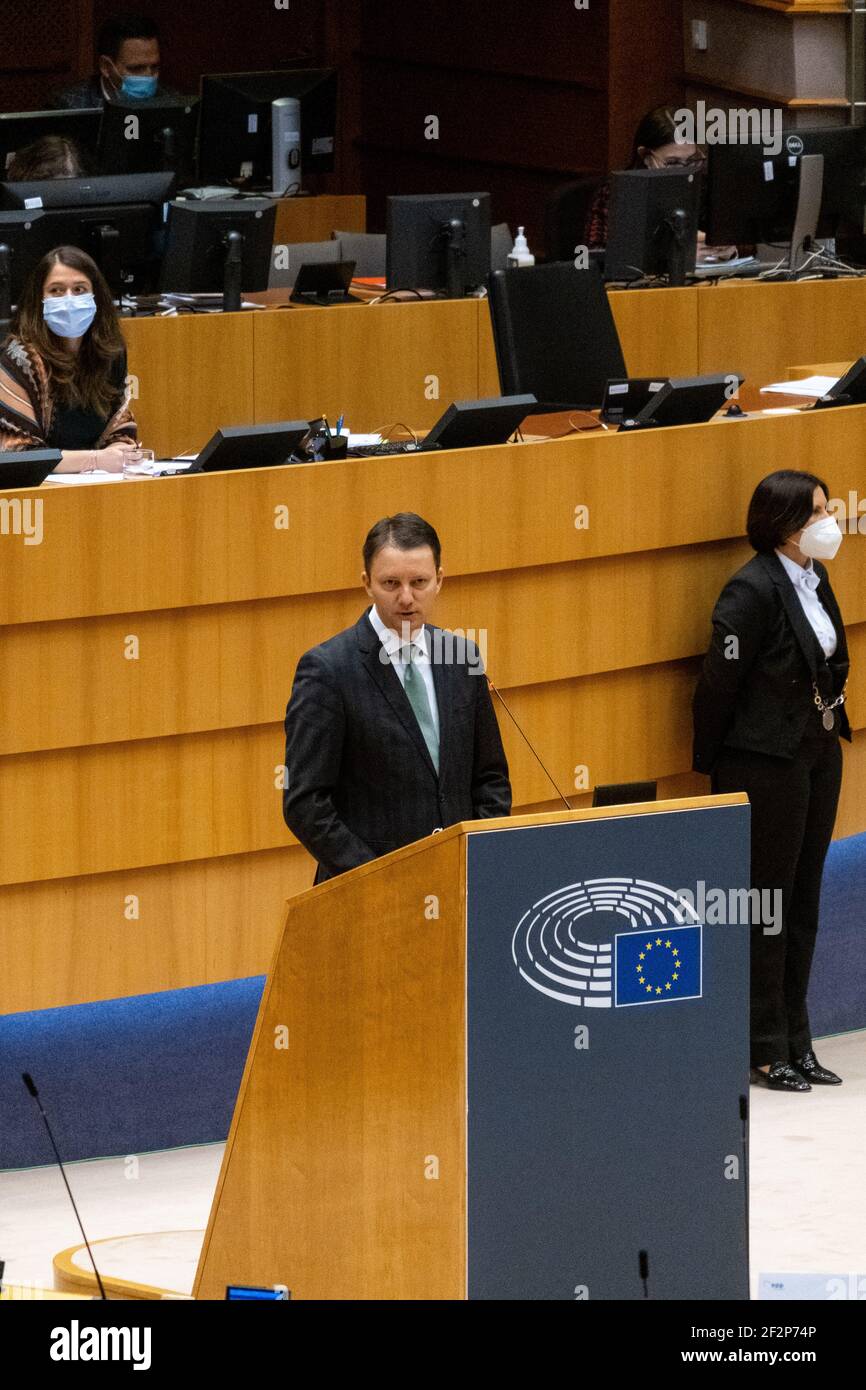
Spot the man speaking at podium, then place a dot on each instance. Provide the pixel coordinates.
(390, 728)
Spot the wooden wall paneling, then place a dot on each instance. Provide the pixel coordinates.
(70, 941)
(68, 685)
(646, 45)
(41, 45)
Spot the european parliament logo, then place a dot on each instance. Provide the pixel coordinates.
(567, 946)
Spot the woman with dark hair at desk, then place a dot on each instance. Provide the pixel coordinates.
(655, 146)
(63, 369)
(768, 712)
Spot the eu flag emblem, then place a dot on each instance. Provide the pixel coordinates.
(657, 965)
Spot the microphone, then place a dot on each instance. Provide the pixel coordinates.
(31, 1086)
(643, 1270)
(492, 687)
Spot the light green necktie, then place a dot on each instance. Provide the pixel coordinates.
(413, 684)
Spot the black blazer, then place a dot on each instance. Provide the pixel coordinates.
(360, 781)
(763, 699)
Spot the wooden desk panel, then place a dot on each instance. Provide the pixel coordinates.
(658, 330)
(760, 330)
(217, 538)
(379, 364)
(314, 219)
(193, 374)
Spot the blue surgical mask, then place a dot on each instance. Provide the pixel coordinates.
(138, 87)
(69, 315)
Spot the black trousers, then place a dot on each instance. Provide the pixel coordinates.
(793, 812)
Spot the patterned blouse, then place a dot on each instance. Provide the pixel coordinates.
(29, 403)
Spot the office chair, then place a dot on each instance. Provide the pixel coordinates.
(366, 249)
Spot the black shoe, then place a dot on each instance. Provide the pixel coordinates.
(810, 1069)
(780, 1077)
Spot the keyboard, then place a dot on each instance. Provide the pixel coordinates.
(392, 446)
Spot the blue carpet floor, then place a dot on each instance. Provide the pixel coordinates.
(161, 1070)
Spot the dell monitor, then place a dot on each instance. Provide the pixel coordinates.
(144, 136)
(222, 244)
(236, 143)
(653, 224)
(117, 219)
(18, 129)
(751, 197)
(554, 335)
(439, 242)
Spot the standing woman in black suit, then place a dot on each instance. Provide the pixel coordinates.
(768, 712)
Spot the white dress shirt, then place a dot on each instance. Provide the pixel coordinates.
(805, 580)
(420, 658)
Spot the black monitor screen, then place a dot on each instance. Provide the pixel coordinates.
(158, 134)
(751, 197)
(439, 242)
(649, 210)
(18, 129)
(198, 243)
(235, 135)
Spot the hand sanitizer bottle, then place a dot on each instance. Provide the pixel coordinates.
(520, 254)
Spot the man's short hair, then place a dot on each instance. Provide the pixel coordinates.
(405, 531)
(120, 27)
(781, 505)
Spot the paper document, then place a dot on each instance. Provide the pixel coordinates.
(808, 386)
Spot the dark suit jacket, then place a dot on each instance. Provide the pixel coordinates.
(763, 699)
(360, 781)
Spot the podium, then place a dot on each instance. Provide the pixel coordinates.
(508, 1061)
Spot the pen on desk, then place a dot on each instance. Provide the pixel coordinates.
(327, 426)
(339, 425)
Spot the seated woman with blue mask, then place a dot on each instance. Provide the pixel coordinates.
(63, 369)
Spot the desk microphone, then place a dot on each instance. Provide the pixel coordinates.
(643, 1270)
(31, 1086)
(535, 755)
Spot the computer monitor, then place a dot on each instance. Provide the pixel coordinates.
(136, 138)
(220, 244)
(438, 241)
(652, 224)
(116, 218)
(250, 446)
(554, 335)
(751, 198)
(18, 129)
(27, 467)
(850, 389)
(686, 400)
(235, 133)
(24, 240)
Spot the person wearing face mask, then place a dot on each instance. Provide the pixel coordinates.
(769, 710)
(63, 369)
(128, 60)
(655, 146)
